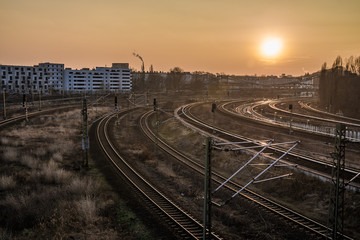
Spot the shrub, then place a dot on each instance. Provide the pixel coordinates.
(84, 187)
(24, 209)
(40, 152)
(10, 154)
(29, 161)
(4, 140)
(5, 234)
(57, 157)
(50, 173)
(87, 209)
(145, 154)
(7, 182)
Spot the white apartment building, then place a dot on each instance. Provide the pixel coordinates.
(27, 79)
(50, 77)
(55, 74)
(117, 78)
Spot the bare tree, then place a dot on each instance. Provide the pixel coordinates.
(337, 62)
(357, 65)
(323, 67)
(175, 79)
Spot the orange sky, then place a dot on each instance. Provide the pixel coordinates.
(204, 35)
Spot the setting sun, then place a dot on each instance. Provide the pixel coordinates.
(271, 47)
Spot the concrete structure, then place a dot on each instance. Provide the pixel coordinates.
(55, 75)
(114, 79)
(52, 77)
(27, 79)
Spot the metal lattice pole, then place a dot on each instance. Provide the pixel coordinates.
(85, 138)
(337, 191)
(207, 191)
(40, 100)
(4, 104)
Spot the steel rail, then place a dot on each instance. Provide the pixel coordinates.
(273, 106)
(21, 117)
(248, 111)
(306, 223)
(307, 106)
(350, 171)
(188, 226)
(252, 196)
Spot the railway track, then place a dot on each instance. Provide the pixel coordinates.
(319, 124)
(307, 106)
(318, 230)
(351, 124)
(185, 226)
(8, 121)
(308, 164)
(11, 120)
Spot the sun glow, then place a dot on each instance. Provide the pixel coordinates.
(271, 47)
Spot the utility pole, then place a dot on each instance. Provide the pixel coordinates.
(4, 104)
(32, 96)
(39, 99)
(337, 190)
(156, 122)
(25, 107)
(115, 102)
(85, 138)
(291, 118)
(207, 191)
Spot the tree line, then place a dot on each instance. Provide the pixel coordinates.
(175, 80)
(339, 86)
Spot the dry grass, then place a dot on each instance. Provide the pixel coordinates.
(46, 201)
(166, 169)
(84, 187)
(4, 141)
(24, 209)
(29, 161)
(51, 173)
(5, 234)
(86, 208)
(40, 152)
(7, 182)
(303, 193)
(57, 157)
(10, 154)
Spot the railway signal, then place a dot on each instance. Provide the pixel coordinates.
(115, 102)
(24, 100)
(155, 105)
(213, 107)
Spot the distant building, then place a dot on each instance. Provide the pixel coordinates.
(27, 79)
(52, 77)
(114, 79)
(55, 75)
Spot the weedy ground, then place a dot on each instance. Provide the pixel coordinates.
(45, 193)
(302, 192)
